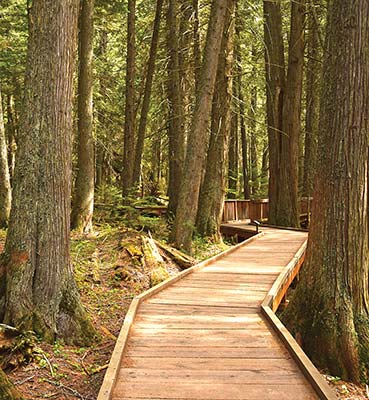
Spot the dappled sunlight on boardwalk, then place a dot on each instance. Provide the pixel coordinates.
(204, 337)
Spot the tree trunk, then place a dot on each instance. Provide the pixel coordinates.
(175, 127)
(7, 390)
(287, 213)
(102, 120)
(196, 43)
(11, 131)
(233, 154)
(147, 94)
(313, 75)
(275, 82)
(5, 188)
(189, 193)
(253, 144)
(241, 109)
(129, 122)
(330, 308)
(40, 293)
(212, 193)
(83, 204)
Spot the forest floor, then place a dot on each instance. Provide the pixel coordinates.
(110, 271)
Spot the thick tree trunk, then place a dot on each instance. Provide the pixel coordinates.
(38, 288)
(83, 203)
(275, 82)
(287, 213)
(175, 127)
(212, 193)
(130, 111)
(313, 75)
(5, 188)
(331, 305)
(147, 94)
(189, 193)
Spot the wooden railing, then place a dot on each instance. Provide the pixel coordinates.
(236, 210)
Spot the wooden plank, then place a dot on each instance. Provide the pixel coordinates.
(171, 377)
(210, 364)
(207, 352)
(214, 391)
(195, 309)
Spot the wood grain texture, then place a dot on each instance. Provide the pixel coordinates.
(203, 337)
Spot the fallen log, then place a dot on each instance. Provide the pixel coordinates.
(153, 261)
(183, 260)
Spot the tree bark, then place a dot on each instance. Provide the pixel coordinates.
(331, 305)
(7, 389)
(5, 188)
(233, 153)
(83, 204)
(241, 108)
(38, 291)
(212, 193)
(313, 77)
(287, 213)
(275, 82)
(189, 192)
(253, 136)
(147, 94)
(130, 95)
(176, 132)
(11, 133)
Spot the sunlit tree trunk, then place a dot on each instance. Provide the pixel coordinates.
(38, 291)
(330, 310)
(83, 202)
(189, 193)
(5, 188)
(212, 191)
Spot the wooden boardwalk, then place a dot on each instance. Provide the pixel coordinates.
(204, 336)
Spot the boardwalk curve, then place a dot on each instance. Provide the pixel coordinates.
(210, 333)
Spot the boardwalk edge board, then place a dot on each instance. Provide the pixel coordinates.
(111, 374)
(270, 305)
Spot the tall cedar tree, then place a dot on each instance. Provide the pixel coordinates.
(241, 107)
(83, 204)
(283, 110)
(212, 193)
(37, 287)
(176, 131)
(130, 113)
(313, 76)
(184, 223)
(287, 212)
(147, 94)
(5, 188)
(330, 310)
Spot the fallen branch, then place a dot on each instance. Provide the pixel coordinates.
(69, 389)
